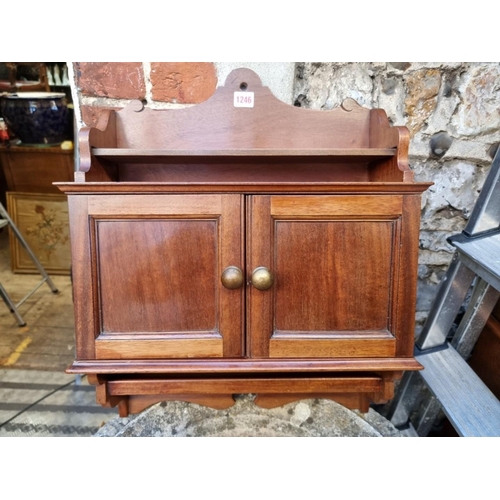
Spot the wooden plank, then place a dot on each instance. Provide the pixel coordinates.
(218, 124)
(292, 365)
(406, 275)
(231, 244)
(316, 348)
(158, 291)
(84, 286)
(259, 253)
(145, 349)
(156, 205)
(333, 278)
(244, 385)
(262, 170)
(336, 206)
(243, 187)
(365, 153)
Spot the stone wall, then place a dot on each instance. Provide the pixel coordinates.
(453, 113)
(451, 109)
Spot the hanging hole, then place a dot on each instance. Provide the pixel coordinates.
(243, 86)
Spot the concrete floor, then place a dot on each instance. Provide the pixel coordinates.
(36, 397)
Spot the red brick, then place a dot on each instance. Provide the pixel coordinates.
(182, 82)
(109, 79)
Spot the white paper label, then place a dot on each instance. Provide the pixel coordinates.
(243, 99)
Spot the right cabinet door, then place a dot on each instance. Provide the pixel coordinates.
(344, 275)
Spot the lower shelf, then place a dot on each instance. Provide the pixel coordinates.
(132, 394)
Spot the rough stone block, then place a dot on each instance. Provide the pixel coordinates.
(440, 119)
(111, 79)
(326, 85)
(307, 418)
(183, 82)
(391, 96)
(479, 111)
(421, 99)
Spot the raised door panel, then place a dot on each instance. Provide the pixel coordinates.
(156, 267)
(336, 263)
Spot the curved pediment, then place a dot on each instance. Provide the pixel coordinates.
(218, 124)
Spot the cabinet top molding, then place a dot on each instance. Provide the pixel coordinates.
(269, 127)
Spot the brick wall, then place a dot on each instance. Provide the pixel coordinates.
(160, 84)
(163, 84)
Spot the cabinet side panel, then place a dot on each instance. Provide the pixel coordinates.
(83, 284)
(408, 269)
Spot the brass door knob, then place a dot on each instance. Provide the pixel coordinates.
(262, 279)
(232, 277)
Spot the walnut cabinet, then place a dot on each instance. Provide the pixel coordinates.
(244, 246)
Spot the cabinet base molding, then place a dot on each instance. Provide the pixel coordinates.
(199, 366)
(132, 395)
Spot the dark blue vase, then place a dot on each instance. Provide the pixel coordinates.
(36, 118)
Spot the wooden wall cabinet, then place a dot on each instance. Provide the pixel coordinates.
(264, 249)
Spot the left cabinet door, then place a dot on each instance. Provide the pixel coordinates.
(147, 275)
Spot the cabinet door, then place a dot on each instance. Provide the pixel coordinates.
(344, 269)
(155, 263)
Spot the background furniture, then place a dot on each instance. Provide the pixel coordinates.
(30, 173)
(34, 169)
(24, 77)
(244, 245)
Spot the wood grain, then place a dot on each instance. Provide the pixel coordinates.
(361, 347)
(142, 154)
(332, 275)
(259, 254)
(200, 347)
(155, 205)
(335, 206)
(358, 188)
(245, 365)
(161, 275)
(406, 298)
(383, 135)
(84, 286)
(161, 282)
(333, 260)
(262, 170)
(244, 385)
(33, 170)
(216, 124)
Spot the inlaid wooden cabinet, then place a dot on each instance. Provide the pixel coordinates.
(221, 249)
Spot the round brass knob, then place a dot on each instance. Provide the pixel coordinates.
(262, 279)
(232, 277)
